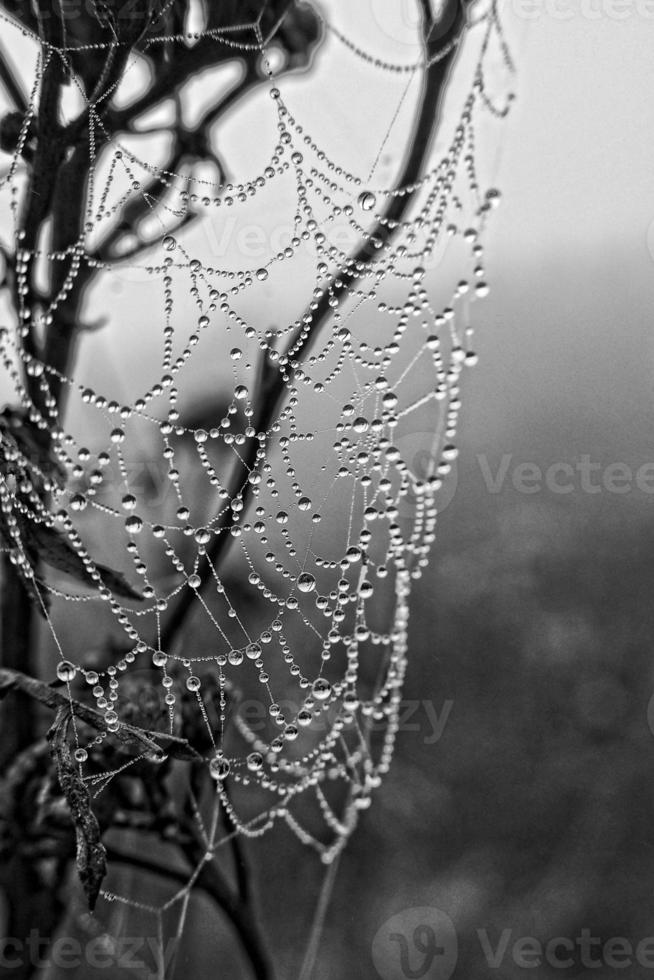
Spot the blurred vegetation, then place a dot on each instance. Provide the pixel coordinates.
(532, 813)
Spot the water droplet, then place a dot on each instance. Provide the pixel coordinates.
(194, 581)
(321, 689)
(236, 353)
(306, 582)
(240, 392)
(219, 768)
(169, 243)
(350, 701)
(81, 755)
(482, 289)
(367, 200)
(133, 524)
(360, 424)
(262, 274)
(254, 761)
(66, 671)
(193, 683)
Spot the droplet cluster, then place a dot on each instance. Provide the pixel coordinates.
(295, 651)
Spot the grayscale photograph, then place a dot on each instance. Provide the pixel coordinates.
(326, 489)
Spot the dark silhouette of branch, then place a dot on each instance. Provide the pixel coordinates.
(272, 382)
(12, 85)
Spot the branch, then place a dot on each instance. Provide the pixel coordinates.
(12, 85)
(189, 62)
(272, 386)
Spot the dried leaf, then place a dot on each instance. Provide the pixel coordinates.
(91, 856)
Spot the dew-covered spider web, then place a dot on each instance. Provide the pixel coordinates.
(223, 527)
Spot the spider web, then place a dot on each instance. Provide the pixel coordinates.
(283, 552)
